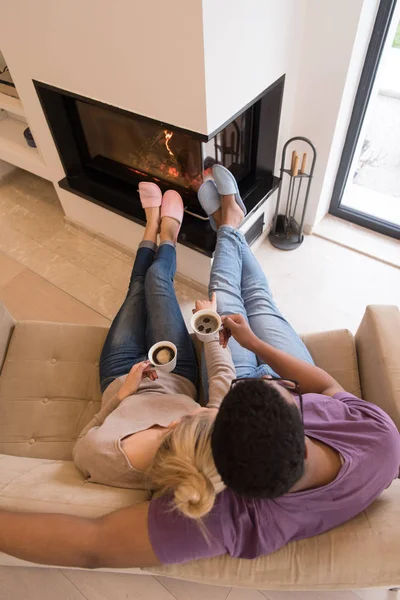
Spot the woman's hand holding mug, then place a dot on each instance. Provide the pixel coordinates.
(134, 378)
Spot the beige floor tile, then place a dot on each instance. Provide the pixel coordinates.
(43, 261)
(116, 586)
(38, 227)
(36, 584)
(108, 301)
(30, 206)
(15, 244)
(9, 268)
(28, 296)
(95, 261)
(6, 205)
(69, 247)
(70, 244)
(27, 189)
(77, 282)
(115, 272)
(186, 590)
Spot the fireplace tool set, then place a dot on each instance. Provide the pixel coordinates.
(287, 232)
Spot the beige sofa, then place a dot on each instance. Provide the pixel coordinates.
(49, 390)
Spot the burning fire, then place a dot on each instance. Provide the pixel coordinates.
(168, 136)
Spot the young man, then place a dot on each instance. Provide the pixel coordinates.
(288, 481)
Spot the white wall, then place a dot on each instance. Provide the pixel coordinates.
(335, 40)
(247, 46)
(143, 55)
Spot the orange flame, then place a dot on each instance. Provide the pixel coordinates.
(168, 136)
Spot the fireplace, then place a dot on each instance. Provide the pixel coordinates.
(107, 151)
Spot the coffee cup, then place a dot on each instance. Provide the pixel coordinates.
(206, 324)
(162, 356)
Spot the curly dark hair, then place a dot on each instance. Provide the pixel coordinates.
(258, 441)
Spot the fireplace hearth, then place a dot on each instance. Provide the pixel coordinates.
(107, 151)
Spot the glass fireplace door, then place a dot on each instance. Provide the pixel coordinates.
(142, 146)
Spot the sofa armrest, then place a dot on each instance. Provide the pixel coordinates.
(7, 325)
(378, 352)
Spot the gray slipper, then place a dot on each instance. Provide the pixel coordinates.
(210, 200)
(227, 184)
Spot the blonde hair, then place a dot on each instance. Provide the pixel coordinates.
(184, 466)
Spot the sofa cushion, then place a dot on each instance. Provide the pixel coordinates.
(41, 485)
(335, 352)
(49, 388)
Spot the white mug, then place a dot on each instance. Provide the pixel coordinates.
(168, 367)
(202, 336)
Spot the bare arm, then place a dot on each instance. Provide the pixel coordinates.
(119, 539)
(310, 377)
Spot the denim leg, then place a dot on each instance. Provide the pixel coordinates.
(164, 316)
(225, 280)
(264, 317)
(125, 344)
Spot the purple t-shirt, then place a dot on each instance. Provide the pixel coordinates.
(369, 444)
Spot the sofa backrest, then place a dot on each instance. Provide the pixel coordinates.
(49, 388)
(378, 351)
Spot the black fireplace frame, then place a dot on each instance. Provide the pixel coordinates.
(119, 193)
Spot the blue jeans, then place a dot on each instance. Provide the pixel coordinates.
(242, 288)
(149, 314)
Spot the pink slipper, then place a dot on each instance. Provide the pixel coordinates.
(150, 194)
(172, 206)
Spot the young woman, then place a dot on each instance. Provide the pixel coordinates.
(150, 432)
